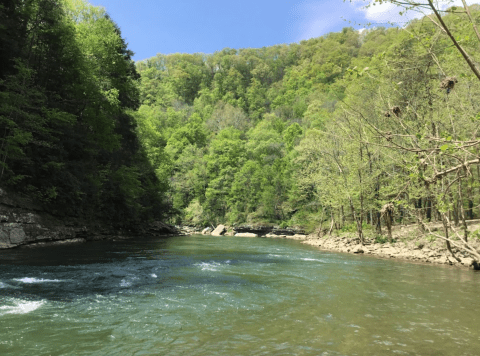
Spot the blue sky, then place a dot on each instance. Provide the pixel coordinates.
(189, 26)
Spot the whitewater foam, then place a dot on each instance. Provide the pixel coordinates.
(311, 259)
(29, 280)
(208, 266)
(20, 307)
(127, 282)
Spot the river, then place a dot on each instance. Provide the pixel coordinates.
(198, 295)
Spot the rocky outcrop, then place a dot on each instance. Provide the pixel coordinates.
(24, 223)
(160, 228)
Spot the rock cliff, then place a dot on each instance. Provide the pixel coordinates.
(23, 222)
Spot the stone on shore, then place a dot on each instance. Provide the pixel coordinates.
(467, 261)
(206, 231)
(357, 249)
(245, 234)
(229, 232)
(219, 230)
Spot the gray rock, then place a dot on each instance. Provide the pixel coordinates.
(206, 231)
(24, 223)
(4, 235)
(17, 235)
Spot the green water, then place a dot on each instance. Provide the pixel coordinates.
(230, 296)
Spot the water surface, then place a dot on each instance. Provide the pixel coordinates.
(230, 296)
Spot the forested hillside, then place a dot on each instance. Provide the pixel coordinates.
(68, 86)
(340, 129)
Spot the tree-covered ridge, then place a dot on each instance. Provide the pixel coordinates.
(228, 123)
(328, 130)
(67, 87)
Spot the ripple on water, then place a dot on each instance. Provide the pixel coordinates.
(253, 299)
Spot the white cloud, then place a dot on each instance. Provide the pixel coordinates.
(313, 18)
(387, 12)
(316, 18)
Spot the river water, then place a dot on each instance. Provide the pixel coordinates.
(202, 295)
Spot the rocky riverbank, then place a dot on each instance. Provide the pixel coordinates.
(409, 245)
(23, 223)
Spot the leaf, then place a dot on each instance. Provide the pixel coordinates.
(444, 147)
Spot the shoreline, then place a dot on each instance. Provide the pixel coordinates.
(420, 251)
(409, 245)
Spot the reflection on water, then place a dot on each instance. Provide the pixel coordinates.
(230, 296)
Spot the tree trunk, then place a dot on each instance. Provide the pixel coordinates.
(455, 216)
(462, 212)
(421, 227)
(445, 230)
(419, 207)
(388, 212)
(428, 209)
(342, 213)
(470, 199)
(378, 222)
(357, 221)
(478, 177)
(320, 229)
(332, 223)
(402, 214)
